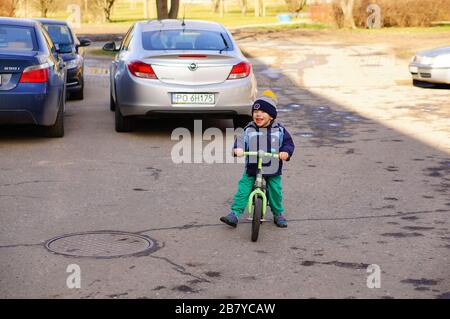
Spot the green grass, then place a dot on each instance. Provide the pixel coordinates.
(100, 52)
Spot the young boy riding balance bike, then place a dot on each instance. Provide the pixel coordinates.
(262, 134)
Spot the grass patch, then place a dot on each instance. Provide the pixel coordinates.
(100, 52)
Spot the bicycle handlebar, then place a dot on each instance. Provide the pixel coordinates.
(262, 154)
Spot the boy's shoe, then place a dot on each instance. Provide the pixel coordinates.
(231, 219)
(280, 221)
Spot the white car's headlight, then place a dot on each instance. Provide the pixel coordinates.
(71, 64)
(442, 61)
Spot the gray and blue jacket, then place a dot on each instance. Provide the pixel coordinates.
(272, 139)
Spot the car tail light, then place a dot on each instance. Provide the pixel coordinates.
(35, 74)
(239, 71)
(142, 70)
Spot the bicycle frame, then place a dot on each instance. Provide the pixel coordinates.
(258, 191)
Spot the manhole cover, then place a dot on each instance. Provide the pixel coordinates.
(101, 244)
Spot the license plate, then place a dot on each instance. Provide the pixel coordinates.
(193, 98)
(413, 69)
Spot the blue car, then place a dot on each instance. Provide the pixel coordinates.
(72, 52)
(32, 77)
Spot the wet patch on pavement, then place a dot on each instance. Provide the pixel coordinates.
(155, 172)
(159, 288)
(185, 289)
(115, 296)
(402, 235)
(323, 126)
(421, 282)
(417, 228)
(340, 264)
(213, 274)
(410, 218)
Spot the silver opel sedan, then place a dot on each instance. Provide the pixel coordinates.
(179, 67)
(431, 66)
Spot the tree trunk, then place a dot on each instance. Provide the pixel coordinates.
(243, 4)
(174, 8)
(347, 9)
(161, 9)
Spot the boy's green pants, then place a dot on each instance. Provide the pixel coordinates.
(245, 186)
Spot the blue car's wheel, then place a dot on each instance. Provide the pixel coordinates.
(57, 129)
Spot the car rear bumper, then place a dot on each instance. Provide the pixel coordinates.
(136, 96)
(429, 74)
(19, 106)
(74, 80)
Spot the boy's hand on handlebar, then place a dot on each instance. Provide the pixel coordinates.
(239, 152)
(284, 156)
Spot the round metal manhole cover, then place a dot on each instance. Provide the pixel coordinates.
(101, 244)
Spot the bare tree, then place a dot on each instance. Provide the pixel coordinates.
(295, 6)
(105, 6)
(44, 6)
(347, 9)
(163, 11)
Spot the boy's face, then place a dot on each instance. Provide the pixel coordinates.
(261, 118)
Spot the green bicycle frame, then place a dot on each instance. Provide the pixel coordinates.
(259, 181)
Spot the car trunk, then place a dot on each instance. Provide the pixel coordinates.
(12, 65)
(192, 67)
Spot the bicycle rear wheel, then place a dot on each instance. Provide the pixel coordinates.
(257, 215)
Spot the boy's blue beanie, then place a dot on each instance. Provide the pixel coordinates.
(267, 105)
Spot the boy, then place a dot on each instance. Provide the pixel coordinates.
(263, 133)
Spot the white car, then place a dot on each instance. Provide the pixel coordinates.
(177, 68)
(431, 66)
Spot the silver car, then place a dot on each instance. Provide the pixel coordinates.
(431, 66)
(176, 67)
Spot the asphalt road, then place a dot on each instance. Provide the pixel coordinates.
(358, 192)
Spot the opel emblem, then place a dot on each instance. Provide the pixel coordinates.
(192, 66)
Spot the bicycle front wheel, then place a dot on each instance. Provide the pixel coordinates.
(257, 215)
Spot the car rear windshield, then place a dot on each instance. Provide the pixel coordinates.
(17, 38)
(59, 33)
(61, 36)
(186, 40)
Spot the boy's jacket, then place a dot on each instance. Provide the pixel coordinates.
(274, 138)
